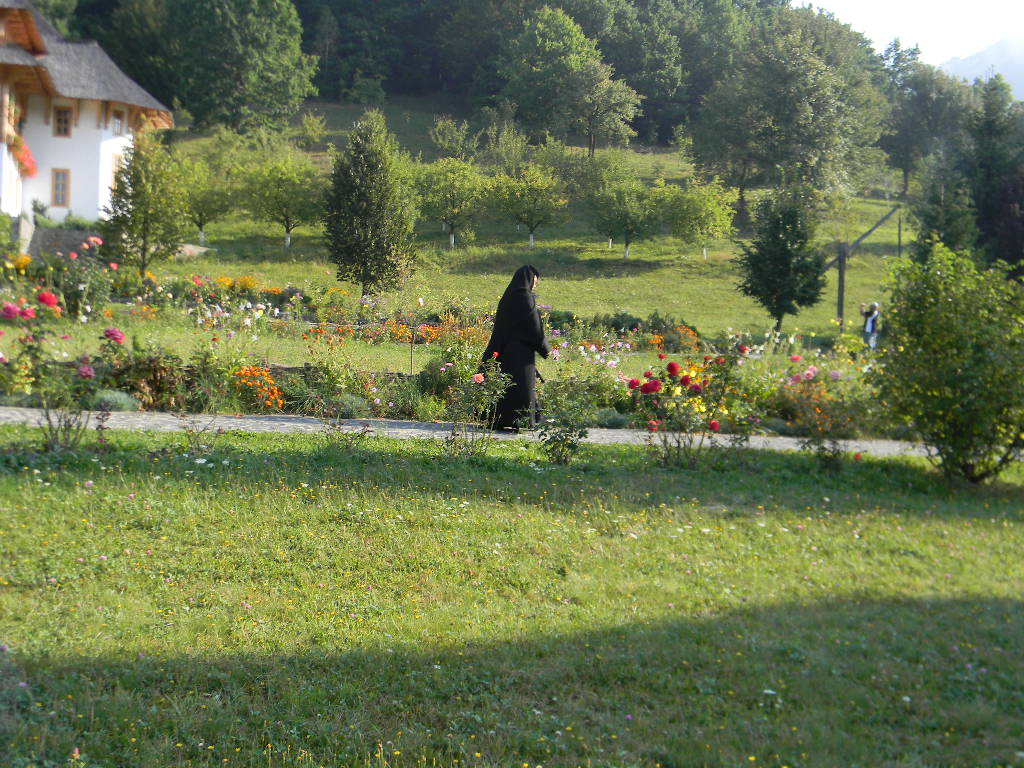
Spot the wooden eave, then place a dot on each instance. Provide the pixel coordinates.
(30, 80)
(21, 25)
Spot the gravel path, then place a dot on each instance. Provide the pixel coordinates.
(165, 422)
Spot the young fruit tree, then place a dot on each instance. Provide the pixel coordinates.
(532, 198)
(779, 268)
(700, 212)
(209, 193)
(370, 208)
(146, 219)
(286, 189)
(629, 211)
(454, 192)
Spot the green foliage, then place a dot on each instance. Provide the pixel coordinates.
(541, 67)
(532, 198)
(605, 108)
(147, 214)
(943, 210)
(366, 91)
(209, 193)
(628, 211)
(781, 268)
(110, 400)
(700, 212)
(286, 189)
(565, 418)
(454, 139)
(454, 192)
(369, 209)
(952, 362)
(238, 62)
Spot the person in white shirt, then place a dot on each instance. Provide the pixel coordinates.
(872, 316)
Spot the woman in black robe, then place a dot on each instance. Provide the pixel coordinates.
(518, 334)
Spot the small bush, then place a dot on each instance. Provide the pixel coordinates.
(111, 400)
(952, 366)
(609, 418)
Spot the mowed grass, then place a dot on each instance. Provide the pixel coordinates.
(282, 602)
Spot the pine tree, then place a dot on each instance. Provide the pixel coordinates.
(369, 209)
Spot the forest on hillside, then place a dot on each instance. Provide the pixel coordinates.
(757, 92)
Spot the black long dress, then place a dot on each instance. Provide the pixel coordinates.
(518, 334)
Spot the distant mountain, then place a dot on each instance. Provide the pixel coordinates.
(1005, 58)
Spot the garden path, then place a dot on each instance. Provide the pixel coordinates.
(285, 424)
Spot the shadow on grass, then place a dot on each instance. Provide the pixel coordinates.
(730, 482)
(852, 682)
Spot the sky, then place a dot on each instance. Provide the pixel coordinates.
(942, 29)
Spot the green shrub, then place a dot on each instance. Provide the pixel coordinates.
(609, 418)
(565, 417)
(952, 365)
(111, 400)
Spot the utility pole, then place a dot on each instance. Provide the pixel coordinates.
(842, 259)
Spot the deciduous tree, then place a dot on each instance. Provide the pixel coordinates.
(454, 192)
(532, 198)
(146, 219)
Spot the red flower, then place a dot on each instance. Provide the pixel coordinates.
(651, 386)
(86, 372)
(29, 312)
(9, 311)
(113, 265)
(672, 368)
(661, 355)
(744, 349)
(706, 358)
(634, 383)
(713, 425)
(720, 360)
(494, 355)
(795, 358)
(685, 380)
(648, 374)
(856, 457)
(48, 299)
(695, 388)
(652, 425)
(72, 255)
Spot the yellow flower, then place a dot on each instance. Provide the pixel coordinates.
(677, 391)
(246, 283)
(21, 263)
(225, 282)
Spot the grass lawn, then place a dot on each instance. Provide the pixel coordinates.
(288, 603)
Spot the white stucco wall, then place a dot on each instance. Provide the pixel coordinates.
(88, 154)
(10, 184)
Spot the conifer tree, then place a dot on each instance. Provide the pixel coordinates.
(370, 211)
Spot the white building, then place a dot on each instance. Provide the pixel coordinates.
(74, 110)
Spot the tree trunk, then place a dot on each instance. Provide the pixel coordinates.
(531, 240)
(906, 182)
(628, 245)
(705, 250)
(202, 237)
(778, 323)
(591, 144)
(451, 240)
(609, 243)
(288, 240)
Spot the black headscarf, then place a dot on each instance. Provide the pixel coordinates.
(517, 317)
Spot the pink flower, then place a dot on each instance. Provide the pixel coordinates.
(95, 240)
(29, 312)
(86, 372)
(795, 358)
(72, 255)
(652, 425)
(835, 375)
(714, 426)
(633, 383)
(478, 378)
(811, 372)
(696, 389)
(114, 334)
(9, 311)
(113, 265)
(796, 379)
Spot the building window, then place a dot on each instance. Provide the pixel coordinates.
(118, 164)
(119, 123)
(62, 121)
(61, 197)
